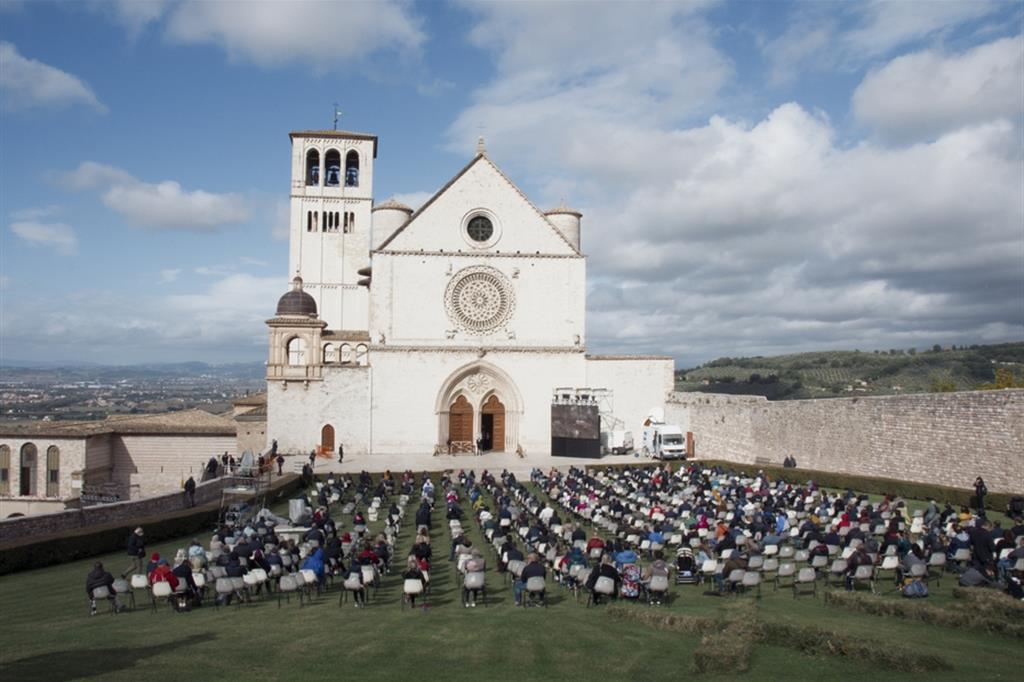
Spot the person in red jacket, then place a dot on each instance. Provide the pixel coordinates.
(163, 574)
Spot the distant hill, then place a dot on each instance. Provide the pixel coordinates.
(27, 371)
(846, 373)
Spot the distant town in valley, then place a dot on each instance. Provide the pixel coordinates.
(97, 391)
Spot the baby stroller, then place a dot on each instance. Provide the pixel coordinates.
(630, 587)
(686, 567)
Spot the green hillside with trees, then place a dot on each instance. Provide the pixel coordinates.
(850, 373)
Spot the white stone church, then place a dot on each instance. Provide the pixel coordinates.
(420, 332)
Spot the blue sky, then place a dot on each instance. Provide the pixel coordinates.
(754, 177)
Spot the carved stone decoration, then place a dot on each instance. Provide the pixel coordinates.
(479, 300)
(478, 383)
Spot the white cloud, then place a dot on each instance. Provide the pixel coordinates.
(920, 95)
(169, 275)
(222, 320)
(328, 35)
(134, 15)
(158, 205)
(29, 84)
(820, 38)
(733, 237)
(280, 229)
(412, 199)
(37, 213)
(570, 73)
(57, 236)
(249, 260)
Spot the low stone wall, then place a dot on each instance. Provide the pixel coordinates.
(14, 530)
(938, 438)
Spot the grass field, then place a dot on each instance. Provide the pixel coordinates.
(46, 633)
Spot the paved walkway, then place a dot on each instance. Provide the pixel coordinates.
(494, 461)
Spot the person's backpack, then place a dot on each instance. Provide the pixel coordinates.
(915, 590)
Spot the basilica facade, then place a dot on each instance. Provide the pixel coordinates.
(453, 326)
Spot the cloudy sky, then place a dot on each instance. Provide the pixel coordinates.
(755, 178)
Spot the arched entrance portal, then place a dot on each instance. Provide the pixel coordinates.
(492, 424)
(460, 425)
(483, 389)
(327, 438)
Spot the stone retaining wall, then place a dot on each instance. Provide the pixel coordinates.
(13, 530)
(939, 438)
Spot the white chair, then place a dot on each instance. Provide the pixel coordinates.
(161, 590)
(603, 586)
(411, 588)
(536, 589)
(286, 586)
(123, 589)
(752, 579)
(474, 582)
(657, 589)
(103, 593)
(805, 583)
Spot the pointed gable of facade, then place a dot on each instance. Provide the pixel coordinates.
(479, 189)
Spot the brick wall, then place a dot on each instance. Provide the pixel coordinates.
(942, 438)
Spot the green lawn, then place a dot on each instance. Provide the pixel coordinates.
(46, 633)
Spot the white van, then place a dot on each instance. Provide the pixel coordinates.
(664, 441)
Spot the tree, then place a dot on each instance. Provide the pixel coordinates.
(943, 386)
(936, 348)
(1004, 379)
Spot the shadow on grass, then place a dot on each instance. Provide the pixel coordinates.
(57, 666)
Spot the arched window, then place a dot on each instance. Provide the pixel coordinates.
(297, 351)
(309, 221)
(5, 470)
(332, 168)
(29, 463)
(330, 353)
(312, 167)
(53, 471)
(361, 351)
(345, 353)
(352, 169)
(350, 222)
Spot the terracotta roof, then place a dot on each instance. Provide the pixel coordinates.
(393, 204)
(183, 422)
(256, 414)
(336, 134)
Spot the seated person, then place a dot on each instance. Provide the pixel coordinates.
(606, 570)
(100, 577)
(533, 569)
(355, 575)
(413, 572)
(163, 573)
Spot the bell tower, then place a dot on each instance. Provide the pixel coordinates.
(330, 220)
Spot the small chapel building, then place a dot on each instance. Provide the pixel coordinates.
(455, 325)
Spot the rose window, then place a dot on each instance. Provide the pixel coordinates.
(479, 299)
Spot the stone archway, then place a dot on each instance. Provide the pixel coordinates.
(494, 400)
